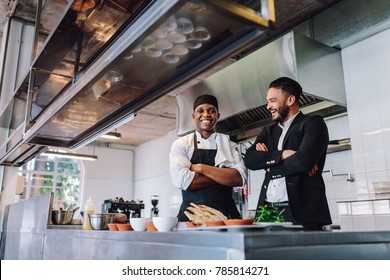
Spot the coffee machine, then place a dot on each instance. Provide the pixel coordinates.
(130, 208)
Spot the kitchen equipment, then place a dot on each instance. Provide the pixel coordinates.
(154, 211)
(124, 227)
(139, 224)
(237, 222)
(62, 217)
(382, 189)
(100, 221)
(150, 227)
(214, 223)
(113, 227)
(71, 116)
(253, 227)
(164, 223)
(127, 207)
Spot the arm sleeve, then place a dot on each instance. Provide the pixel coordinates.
(257, 160)
(238, 162)
(179, 165)
(310, 152)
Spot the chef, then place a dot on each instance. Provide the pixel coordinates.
(205, 164)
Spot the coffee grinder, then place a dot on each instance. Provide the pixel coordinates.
(154, 211)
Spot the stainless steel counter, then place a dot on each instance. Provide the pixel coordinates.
(38, 240)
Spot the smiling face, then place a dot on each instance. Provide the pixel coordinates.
(205, 117)
(281, 105)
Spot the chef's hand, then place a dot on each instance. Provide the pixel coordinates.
(196, 167)
(313, 171)
(261, 147)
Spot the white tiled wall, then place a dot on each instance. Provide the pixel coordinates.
(366, 70)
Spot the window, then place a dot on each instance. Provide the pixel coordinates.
(62, 176)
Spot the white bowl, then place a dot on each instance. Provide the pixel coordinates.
(164, 223)
(139, 224)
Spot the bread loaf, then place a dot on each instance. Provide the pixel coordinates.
(120, 218)
(199, 214)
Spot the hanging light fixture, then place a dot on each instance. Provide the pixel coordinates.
(112, 136)
(70, 155)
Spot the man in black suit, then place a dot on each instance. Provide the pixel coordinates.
(292, 151)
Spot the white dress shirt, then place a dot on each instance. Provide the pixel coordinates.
(277, 188)
(182, 149)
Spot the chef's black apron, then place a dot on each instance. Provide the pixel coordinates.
(215, 196)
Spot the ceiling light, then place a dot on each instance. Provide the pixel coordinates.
(70, 155)
(112, 135)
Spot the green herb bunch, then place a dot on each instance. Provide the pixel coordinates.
(269, 214)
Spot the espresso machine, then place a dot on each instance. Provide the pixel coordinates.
(130, 208)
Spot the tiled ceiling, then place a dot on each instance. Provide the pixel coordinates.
(159, 118)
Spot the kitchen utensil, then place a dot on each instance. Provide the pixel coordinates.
(124, 227)
(215, 223)
(139, 224)
(237, 222)
(150, 227)
(164, 223)
(101, 221)
(112, 227)
(61, 217)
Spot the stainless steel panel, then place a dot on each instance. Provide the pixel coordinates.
(24, 228)
(130, 245)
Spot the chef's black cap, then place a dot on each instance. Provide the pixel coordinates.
(206, 98)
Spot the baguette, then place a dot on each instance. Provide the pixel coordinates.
(199, 214)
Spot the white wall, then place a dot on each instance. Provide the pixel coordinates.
(110, 176)
(367, 69)
(152, 175)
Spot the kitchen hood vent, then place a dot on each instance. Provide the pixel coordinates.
(253, 116)
(241, 88)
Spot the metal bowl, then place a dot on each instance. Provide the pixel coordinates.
(61, 217)
(101, 221)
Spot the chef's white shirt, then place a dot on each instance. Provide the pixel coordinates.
(182, 149)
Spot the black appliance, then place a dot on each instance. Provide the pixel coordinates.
(126, 207)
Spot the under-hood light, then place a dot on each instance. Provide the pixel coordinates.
(112, 136)
(70, 155)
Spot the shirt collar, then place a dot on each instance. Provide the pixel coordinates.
(288, 123)
(211, 139)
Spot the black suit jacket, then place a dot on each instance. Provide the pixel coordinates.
(308, 136)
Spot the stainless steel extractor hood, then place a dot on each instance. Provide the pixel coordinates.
(167, 45)
(241, 88)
